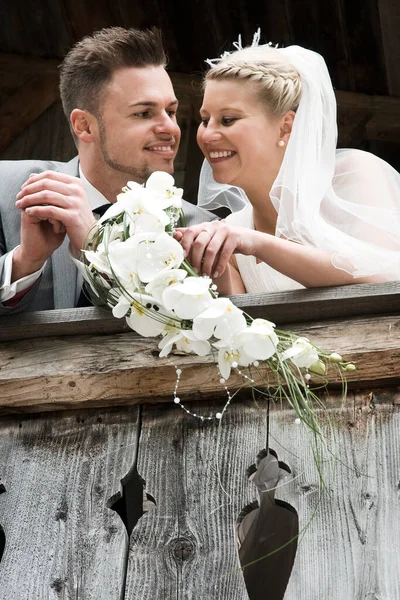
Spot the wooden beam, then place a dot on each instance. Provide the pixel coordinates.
(31, 86)
(283, 307)
(384, 128)
(21, 63)
(389, 13)
(366, 102)
(363, 117)
(93, 371)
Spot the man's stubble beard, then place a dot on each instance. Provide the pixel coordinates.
(140, 175)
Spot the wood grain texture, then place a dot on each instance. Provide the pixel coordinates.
(91, 371)
(37, 90)
(59, 472)
(389, 14)
(283, 307)
(351, 547)
(47, 138)
(323, 303)
(186, 547)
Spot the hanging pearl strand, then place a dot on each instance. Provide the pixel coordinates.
(222, 381)
(217, 415)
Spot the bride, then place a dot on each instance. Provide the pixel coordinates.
(304, 214)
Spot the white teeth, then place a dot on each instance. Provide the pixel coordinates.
(161, 148)
(222, 154)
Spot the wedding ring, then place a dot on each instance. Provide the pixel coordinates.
(206, 230)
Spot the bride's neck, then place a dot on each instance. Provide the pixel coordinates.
(264, 214)
(265, 218)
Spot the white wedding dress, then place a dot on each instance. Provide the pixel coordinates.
(258, 278)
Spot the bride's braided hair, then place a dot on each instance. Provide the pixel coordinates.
(278, 82)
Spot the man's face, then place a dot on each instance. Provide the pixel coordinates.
(138, 132)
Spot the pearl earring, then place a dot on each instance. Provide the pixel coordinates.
(281, 143)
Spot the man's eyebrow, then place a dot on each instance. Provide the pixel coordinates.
(151, 104)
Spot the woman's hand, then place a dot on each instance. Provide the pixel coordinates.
(209, 246)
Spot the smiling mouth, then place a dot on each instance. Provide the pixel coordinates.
(222, 154)
(163, 148)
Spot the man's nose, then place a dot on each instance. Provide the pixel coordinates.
(167, 124)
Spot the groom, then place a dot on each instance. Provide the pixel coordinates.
(121, 107)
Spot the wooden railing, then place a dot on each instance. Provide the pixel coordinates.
(84, 402)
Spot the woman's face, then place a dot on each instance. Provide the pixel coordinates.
(237, 135)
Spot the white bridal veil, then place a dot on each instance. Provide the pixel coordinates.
(345, 201)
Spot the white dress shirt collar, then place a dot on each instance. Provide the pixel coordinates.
(95, 197)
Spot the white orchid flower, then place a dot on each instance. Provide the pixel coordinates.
(302, 353)
(123, 302)
(148, 318)
(163, 184)
(98, 258)
(228, 356)
(259, 341)
(189, 298)
(136, 200)
(185, 341)
(164, 253)
(221, 319)
(162, 280)
(126, 202)
(122, 258)
(146, 223)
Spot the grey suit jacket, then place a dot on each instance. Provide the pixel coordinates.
(57, 286)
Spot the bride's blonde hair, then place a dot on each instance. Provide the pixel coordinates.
(278, 81)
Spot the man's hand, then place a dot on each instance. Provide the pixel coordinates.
(52, 205)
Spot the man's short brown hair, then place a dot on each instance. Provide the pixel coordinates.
(90, 64)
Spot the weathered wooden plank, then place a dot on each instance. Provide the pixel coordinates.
(24, 106)
(59, 472)
(33, 28)
(379, 128)
(91, 371)
(69, 321)
(23, 66)
(373, 103)
(351, 547)
(283, 307)
(29, 87)
(80, 19)
(186, 546)
(46, 138)
(323, 303)
(389, 14)
(364, 46)
(363, 117)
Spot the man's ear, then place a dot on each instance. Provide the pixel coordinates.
(84, 125)
(286, 125)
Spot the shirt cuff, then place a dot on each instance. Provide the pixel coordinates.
(7, 289)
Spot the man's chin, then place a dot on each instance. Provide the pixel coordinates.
(164, 164)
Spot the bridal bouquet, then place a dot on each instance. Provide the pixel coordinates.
(135, 266)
